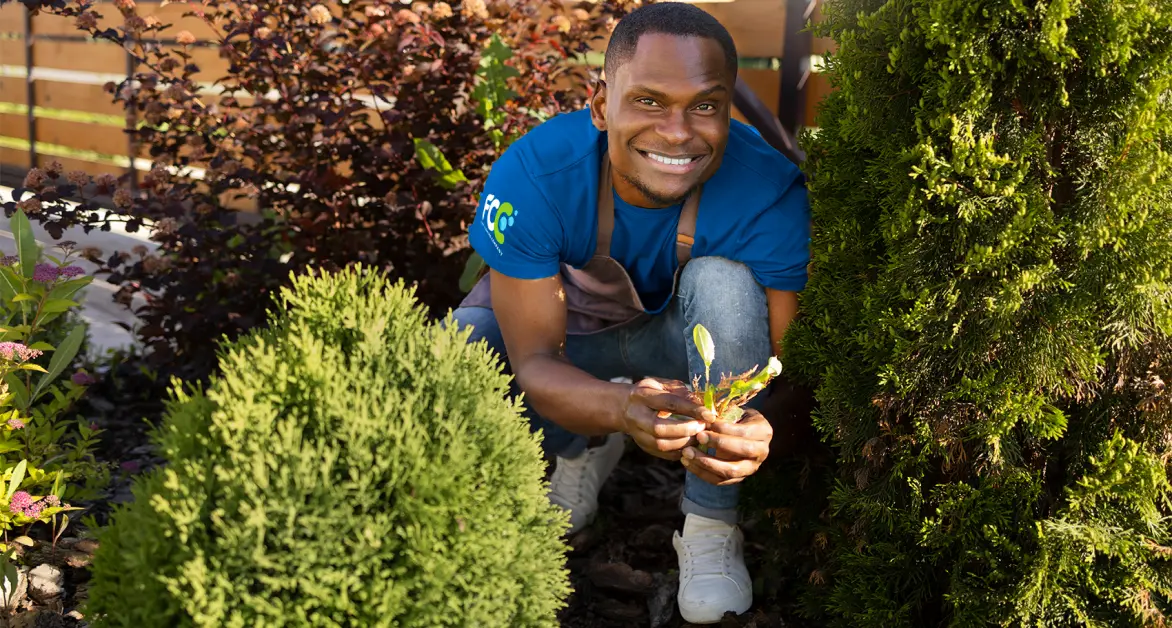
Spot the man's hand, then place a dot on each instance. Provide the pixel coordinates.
(740, 449)
(647, 417)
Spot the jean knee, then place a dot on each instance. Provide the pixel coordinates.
(724, 285)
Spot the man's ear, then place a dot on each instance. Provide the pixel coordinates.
(598, 106)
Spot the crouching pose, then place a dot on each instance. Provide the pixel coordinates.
(610, 233)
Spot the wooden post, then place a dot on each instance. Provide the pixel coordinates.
(30, 86)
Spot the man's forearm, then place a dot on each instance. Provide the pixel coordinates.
(571, 397)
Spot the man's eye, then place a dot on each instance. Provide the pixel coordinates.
(707, 107)
(646, 101)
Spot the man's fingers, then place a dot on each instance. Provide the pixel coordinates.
(715, 471)
(667, 449)
(733, 447)
(676, 404)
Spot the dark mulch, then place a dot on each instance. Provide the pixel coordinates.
(624, 569)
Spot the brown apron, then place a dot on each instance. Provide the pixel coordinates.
(600, 295)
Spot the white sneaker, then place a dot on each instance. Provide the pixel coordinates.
(575, 482)
(713, 577)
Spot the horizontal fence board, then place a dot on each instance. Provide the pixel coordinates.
(70, 164)
(74, 97)
(106, 140)
(13, 90)
(13, 160)
(756, 26)
(106, 58)
(12, 125)
(11, 17)
(172, 14)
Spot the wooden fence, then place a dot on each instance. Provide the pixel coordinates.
(53, 106)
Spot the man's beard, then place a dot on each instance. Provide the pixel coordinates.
(651, 195)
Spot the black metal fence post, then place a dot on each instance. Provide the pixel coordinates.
(795, 65)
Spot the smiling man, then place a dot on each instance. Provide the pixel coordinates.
(610, 233)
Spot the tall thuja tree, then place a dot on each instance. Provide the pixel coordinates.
(988, 319)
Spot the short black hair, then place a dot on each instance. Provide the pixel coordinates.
(666, 18)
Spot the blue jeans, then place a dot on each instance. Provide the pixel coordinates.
(718, 293)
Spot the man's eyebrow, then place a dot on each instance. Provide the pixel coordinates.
(658, 94)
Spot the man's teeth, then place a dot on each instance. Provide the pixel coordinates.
(669, 161)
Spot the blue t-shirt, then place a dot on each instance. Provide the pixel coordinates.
(539, 208)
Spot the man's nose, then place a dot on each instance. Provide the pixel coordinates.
(675, 128)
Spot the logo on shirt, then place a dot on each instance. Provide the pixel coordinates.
(498, 217)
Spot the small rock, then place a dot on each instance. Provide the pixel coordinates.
(661, 604)
(77, 560)
(142, 450)
(67, 542)
(620, 577)
(9, 597)
(618, 611)
(85, 546)
(46, 582)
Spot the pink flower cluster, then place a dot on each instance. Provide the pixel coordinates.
(15, 424)
(17, 351)
(22, 503)
(48, 273)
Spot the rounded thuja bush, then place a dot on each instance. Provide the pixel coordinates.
(353, 465)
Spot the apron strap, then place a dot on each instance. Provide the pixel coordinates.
(685, 227)
(605, 208)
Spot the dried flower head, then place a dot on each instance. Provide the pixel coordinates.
(405, 16)
(185, 38)
(562, 23)
(125, 5)
(55, 169)
(78, 178)
(441, 11)
(319, 14)
(87, 21)
(123, 199)
(106, 183)
(30, 205)
(475, 9)
(35, 179)
(264, 32)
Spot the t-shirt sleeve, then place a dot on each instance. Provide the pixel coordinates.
(778, 245)
(516, 230)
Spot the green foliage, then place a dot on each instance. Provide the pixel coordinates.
(38, 450)
(989, 297)
(353, 465)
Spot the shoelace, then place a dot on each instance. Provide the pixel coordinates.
(702, 550)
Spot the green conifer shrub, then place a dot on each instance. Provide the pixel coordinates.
(988, 318)
(354, 465)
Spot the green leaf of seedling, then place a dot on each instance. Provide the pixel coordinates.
(17, 478)
(57, 485)
(710, 398)
(61, 358)
(26, 244)
(705, 347)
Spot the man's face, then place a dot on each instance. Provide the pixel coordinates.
(666, 112)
